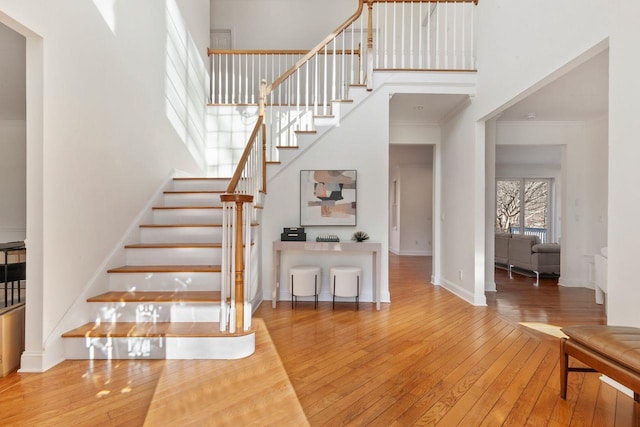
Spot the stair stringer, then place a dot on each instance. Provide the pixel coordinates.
(79, 311)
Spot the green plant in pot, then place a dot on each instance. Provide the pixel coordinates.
(360, 236)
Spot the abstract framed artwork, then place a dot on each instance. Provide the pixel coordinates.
(327, 197)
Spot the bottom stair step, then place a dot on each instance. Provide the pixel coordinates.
(130, 340)
(151, 329)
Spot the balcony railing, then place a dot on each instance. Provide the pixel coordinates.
(390, 35)
(531, 231)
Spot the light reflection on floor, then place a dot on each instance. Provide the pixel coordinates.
(545, 328)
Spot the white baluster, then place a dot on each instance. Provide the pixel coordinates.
(455, 36)
(446, 35)
(393, 44)
(378, 29)
(428, 35)
(298, 99)
(343, 94)
(363, 49)
(472, 56)
(226, 84)
(437, 36)
(324, 98)
(307, 93)
(315, 84)
(411, 37)
(333, 70)
(463, 52)
(420, 35)
(402, 26)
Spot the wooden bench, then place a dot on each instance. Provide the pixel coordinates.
(613, 351)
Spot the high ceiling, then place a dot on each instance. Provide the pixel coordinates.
(580, 95)
(422, 108)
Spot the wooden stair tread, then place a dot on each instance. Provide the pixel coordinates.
(151, 330)
(166, 269)
(194, 192)
(285, 147)
(185, 207)
(178, 225)
(215, 178)
(157, 296)
(172, 245)
(306, 131)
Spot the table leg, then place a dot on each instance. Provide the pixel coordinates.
(377, 283)
(276, 278)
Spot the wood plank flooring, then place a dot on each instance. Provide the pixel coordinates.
(427, 358)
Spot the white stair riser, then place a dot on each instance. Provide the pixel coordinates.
(181, 235)
(174, 256)
(160, 348)
(187, 216)
(200, 184)
(191, 199)
(164, 281)
(109, 312)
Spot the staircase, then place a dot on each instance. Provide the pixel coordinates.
(165, 302)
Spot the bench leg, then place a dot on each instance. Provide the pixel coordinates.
(564, 369)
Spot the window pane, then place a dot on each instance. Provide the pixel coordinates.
(508, 206)
(536, 209)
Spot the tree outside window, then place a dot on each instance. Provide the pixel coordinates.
(533, 195)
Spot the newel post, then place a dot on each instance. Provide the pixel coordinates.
(369, 78)
(239, 200)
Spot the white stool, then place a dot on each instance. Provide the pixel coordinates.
(304, 281)
(345, 281)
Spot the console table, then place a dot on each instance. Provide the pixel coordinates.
(336, 248)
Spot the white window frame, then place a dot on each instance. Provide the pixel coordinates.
(551, 211)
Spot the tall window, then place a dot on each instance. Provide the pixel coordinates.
(524, 202)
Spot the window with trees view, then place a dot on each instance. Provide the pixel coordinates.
(524, 202)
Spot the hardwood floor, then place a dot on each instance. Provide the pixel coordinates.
(428, 358)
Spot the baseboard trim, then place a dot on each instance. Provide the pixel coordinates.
(572, 283)
(415, 253)
(464, 294)
(617, 385)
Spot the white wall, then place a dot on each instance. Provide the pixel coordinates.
(99, 144)
(623, 297)
(13, 180)
(514, 61)
(460, 151)
(279, 24)
(367, 153)
(12, 135)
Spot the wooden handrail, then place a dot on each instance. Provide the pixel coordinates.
(320, 46)
(237, 175)
(279, 52)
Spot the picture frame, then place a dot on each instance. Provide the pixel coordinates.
(328, 197)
